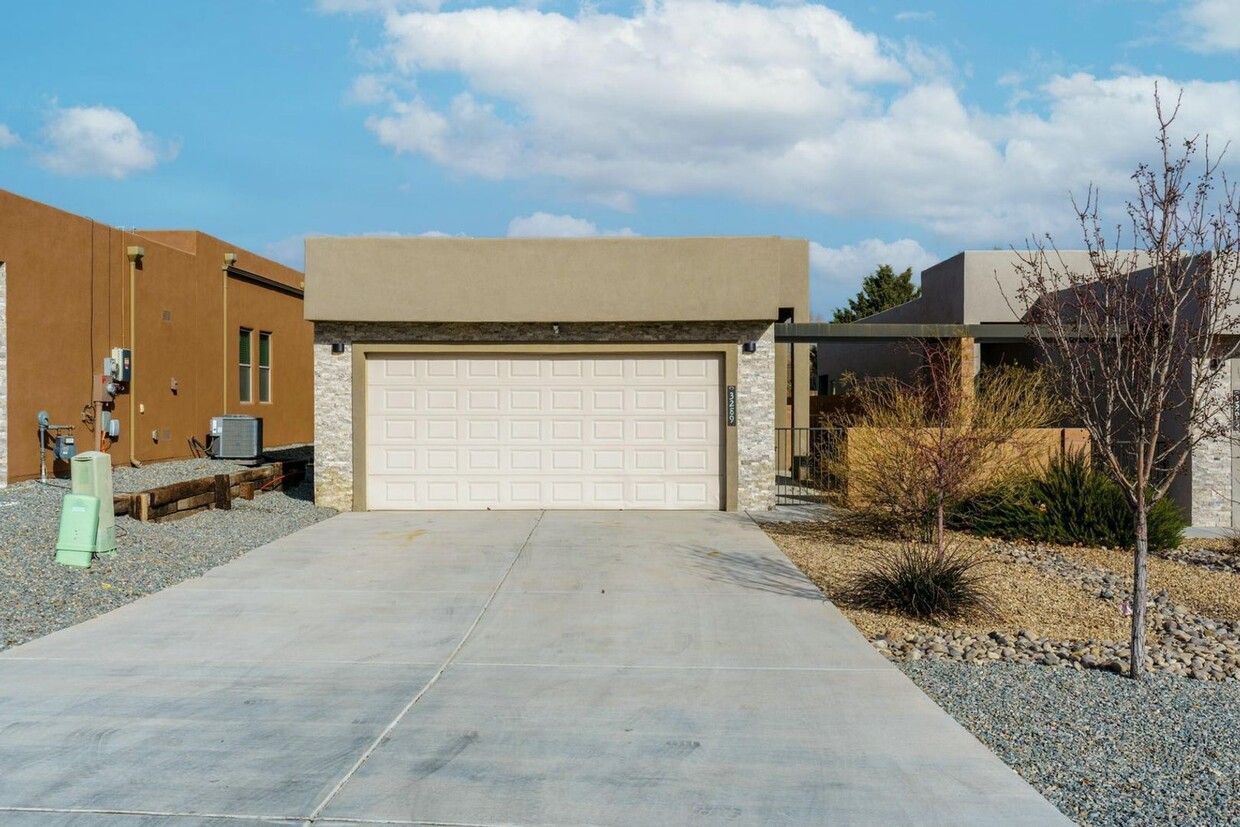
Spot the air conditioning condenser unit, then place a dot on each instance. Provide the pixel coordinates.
(235, 436)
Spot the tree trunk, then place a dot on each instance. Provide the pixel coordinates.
(1139, 571)
(941, 539)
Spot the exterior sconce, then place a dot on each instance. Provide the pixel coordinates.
(337, 347)
(749, 347)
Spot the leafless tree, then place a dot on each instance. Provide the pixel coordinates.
(1138, 339)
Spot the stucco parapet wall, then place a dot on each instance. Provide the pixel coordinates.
(334, 381)
(554, 280)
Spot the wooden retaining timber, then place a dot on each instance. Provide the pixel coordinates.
(180, 499)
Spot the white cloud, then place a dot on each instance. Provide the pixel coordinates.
(914, 16)
(1211, 25)
(99, 141)
(836, 272)
(546, 225)
(789, 104)
(370, 89)
(289, 251)
(8, 138)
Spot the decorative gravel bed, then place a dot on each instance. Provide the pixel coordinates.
(1104, 749)
(39, 596)
(1180, 641)
(1208, 558)
(1061, 607)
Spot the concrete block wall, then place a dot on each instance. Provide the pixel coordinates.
(333, 387)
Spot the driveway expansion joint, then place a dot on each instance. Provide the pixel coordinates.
(383, 736)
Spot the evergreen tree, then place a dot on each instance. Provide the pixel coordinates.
(880, 290)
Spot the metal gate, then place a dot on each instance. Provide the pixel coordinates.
(803, 467)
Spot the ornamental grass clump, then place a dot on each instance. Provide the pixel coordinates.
(922, 581)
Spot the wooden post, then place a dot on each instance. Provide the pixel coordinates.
(968, 368)
(223, 491)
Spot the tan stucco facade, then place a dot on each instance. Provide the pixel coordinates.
(580, 296)
(552, 280)
(68, 301)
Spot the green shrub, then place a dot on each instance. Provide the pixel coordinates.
(1069, 502)
(1010, 512)
(918, 581)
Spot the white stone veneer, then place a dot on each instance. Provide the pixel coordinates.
(333, 387)
(1211, 468)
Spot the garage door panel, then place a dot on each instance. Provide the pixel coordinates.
(543, 432)
(527, 400)
(524, 430)
(609, 401)
(442, 368)
(482, 368)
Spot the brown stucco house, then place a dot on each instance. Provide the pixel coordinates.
(185, 304)
(553, 373)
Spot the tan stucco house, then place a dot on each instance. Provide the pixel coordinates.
(553, 373)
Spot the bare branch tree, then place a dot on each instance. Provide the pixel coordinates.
(916, 449)
(1138, 340)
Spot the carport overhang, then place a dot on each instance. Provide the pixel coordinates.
(813, 332)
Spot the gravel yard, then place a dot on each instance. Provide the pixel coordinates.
(39, 596)
(1058, 606)
(1103, 749)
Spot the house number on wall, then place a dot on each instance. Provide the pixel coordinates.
(1235, 410)
(731, 404)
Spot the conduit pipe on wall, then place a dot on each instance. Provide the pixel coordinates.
(230, 260)
(134, 254)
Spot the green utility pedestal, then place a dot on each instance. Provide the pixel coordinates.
(79, 527)
(91, 472)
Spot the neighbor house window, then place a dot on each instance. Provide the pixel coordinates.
(264, 367)
(243, 375)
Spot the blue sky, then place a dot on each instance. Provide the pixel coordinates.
(883, 132)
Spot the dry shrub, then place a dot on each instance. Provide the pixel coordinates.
(919, 447)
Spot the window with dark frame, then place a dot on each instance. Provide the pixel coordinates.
(264, 367)
(244, 379)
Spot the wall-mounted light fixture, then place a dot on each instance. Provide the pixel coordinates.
(749, 347)
(337, 347)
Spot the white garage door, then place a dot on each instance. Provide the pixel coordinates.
(543, 432)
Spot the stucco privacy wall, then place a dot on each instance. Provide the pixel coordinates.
(334, 382)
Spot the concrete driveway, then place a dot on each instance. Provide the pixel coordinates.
(498, 668)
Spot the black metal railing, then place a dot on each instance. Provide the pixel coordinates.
(803, 466)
